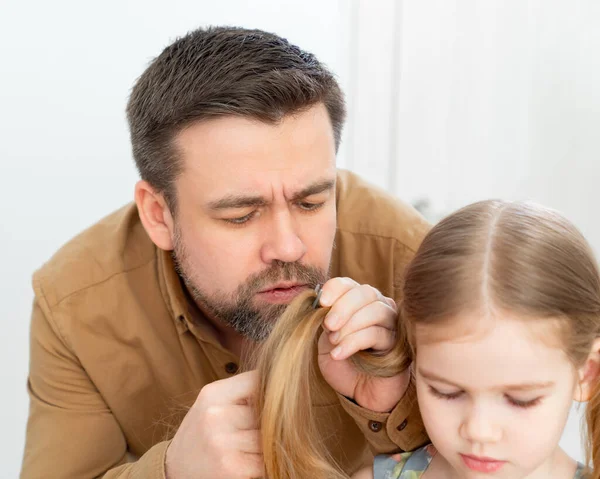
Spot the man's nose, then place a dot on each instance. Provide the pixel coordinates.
(282, 242)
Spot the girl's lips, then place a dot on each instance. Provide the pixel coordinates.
(482, 464)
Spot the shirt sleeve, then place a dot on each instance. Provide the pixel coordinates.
(71, 432)
(401, 429)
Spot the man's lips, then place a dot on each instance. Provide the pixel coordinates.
(282, 285)
(281, 292)
(482, 464)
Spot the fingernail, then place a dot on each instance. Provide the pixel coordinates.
(331, 321)
(325, 299)
(336, 353)
(334, 337)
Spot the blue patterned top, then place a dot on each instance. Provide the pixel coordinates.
(412, 465)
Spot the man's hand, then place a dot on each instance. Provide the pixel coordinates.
(360, 318)
(219, 436)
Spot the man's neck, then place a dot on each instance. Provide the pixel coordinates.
(231, 340)
(228, 337)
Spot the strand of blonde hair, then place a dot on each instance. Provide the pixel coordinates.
(290, 383)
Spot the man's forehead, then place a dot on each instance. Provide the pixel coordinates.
(233, 156)
(234, 139)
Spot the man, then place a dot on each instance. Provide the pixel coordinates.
(144, 318)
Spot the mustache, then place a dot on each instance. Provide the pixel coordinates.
(281, 271)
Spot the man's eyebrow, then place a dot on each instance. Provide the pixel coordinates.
(314, 189)
(246, 201)
(511, 387)
(237, 201)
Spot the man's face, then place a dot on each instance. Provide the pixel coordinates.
(256, 215)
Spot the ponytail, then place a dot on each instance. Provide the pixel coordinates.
(592, 418)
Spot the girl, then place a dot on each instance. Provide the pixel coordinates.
(501, 317)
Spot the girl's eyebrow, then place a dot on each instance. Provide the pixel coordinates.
(435, 377)
(512, 387)
(529, 386)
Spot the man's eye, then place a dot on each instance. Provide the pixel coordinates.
(442, 395)
(310, 206)
(241, 220)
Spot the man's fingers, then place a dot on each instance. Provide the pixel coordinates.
(334, 289)
(374, 314)
(254, 465)
(375, 337)
(236, 417)
(235, 390)
(350, 303)
(241, 465)
(244, 418)
(391, 303)
(247, 441)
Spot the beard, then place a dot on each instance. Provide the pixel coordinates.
(237, 309)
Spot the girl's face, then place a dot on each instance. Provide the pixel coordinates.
(495, 399)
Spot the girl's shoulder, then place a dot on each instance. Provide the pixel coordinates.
(406, 465)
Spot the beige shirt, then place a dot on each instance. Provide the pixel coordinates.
(116, 360)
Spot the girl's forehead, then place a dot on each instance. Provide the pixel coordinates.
(482, 353)
(492, 326)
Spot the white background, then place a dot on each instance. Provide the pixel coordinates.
(450, 101)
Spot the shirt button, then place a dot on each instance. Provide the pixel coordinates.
(402, 425)
(231, 368)
(375, 426)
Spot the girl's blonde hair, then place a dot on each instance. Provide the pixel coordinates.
(517, 257)
(290, 383)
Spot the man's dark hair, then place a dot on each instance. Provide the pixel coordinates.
(215, 72)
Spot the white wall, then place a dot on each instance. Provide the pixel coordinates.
(501, 99)
(449, 100)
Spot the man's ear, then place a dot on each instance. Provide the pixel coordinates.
(155, 215)
(588, 374)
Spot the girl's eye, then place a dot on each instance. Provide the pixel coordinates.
(442, 395)
(310, 206)
(524, 404)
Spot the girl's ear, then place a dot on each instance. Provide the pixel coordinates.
(588, 374)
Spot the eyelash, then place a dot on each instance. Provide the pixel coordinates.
(310, 206)
(440, 395)
(512, 401)
(240, 221)
(524, 404)
(305, 207)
